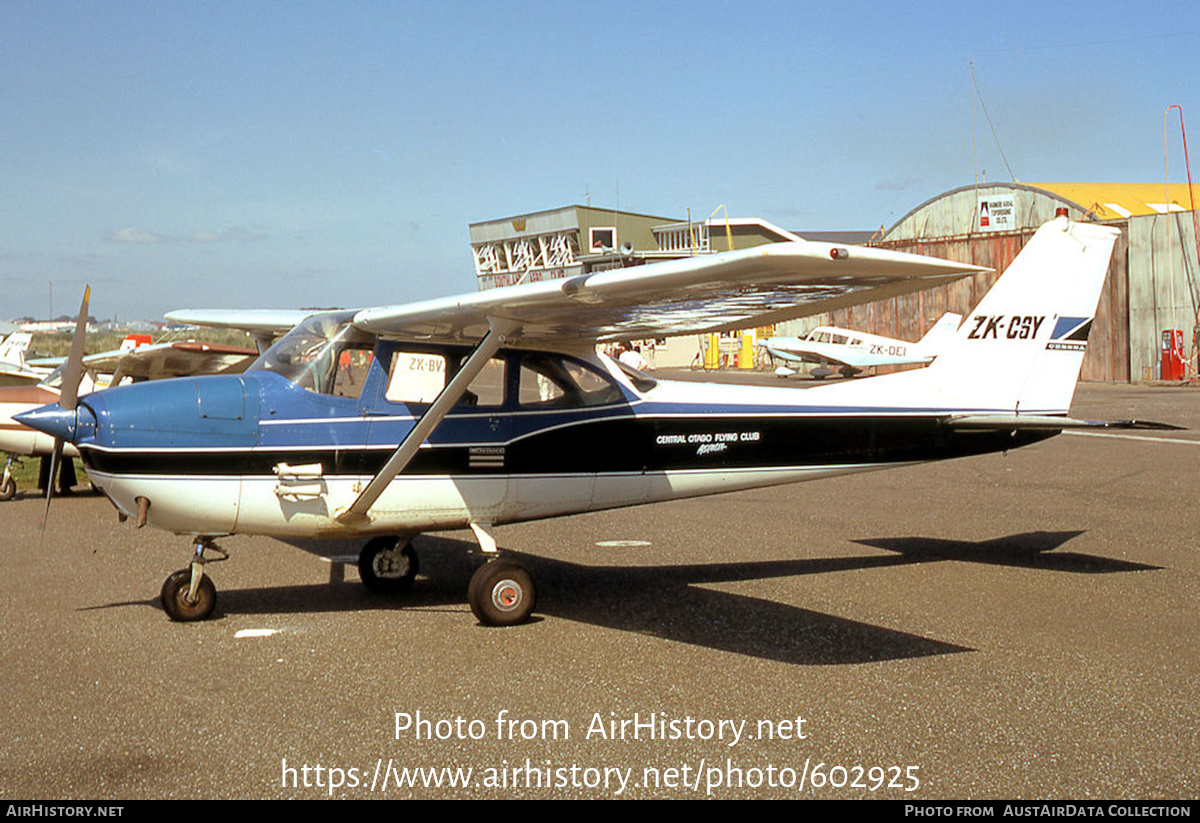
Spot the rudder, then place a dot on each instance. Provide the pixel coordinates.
(1022, 347)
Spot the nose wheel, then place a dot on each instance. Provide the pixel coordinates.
(189, 594)
(502, 593)
(180, 604)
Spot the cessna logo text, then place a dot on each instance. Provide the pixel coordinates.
(1017, 327)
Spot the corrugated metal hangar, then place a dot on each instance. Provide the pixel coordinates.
(1153, 284)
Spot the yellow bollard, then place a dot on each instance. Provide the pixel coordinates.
(712, 355)
(746, 355)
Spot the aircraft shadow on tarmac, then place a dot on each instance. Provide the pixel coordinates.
(1030, 550)
(671, 602)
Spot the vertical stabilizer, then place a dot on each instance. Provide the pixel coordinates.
(13, 348)
(941, 334)
(1022, 347)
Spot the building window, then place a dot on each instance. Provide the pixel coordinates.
(601, 238)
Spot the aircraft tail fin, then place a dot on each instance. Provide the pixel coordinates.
(941, 333)
(13, 348)
(1022, 347)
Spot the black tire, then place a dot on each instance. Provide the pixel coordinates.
(9, 489)
(175, 602)
(502, 593)
(383, 570)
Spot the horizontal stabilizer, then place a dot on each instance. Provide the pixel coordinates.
(1033, 422)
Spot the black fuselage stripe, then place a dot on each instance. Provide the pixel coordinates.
(611, 447)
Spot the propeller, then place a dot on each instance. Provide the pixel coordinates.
(68, 397)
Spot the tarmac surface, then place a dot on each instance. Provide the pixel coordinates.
(998, 627)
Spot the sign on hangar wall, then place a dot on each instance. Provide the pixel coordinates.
(996, 213)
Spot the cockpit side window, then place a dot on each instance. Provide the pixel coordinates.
(353, 363)
(415, 377)
(419, 376)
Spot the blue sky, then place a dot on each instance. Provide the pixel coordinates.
(271, 154)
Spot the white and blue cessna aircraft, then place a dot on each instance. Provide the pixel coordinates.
(494, 407)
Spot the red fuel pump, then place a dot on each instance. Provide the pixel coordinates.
(1174, 362)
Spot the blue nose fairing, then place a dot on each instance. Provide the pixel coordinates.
(162, 414)
(69, 425)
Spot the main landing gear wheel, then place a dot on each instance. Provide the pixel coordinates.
(175, 600)
(8, 489)
(502, 593)
(385, 568)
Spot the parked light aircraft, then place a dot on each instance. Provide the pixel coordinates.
(493, 407)
(131, 362)
(13, 369)
(852, 351)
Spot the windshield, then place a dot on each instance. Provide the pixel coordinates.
(87, 381)
(313, 354)
(55, 378)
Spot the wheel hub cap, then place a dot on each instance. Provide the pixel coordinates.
(507, 595)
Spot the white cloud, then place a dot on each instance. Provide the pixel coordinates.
(142, 236)
(135, 235)
(234, 235)
(898, 185)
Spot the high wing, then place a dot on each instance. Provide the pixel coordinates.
(709, 293)
(179, 359)
(263, 324)
(275, 321)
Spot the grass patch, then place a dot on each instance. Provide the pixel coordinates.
(59, 345)
(26, 473)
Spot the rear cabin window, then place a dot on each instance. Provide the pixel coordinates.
(487, 389)
(555, 382)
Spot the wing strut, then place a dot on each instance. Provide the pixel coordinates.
(446, 399)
